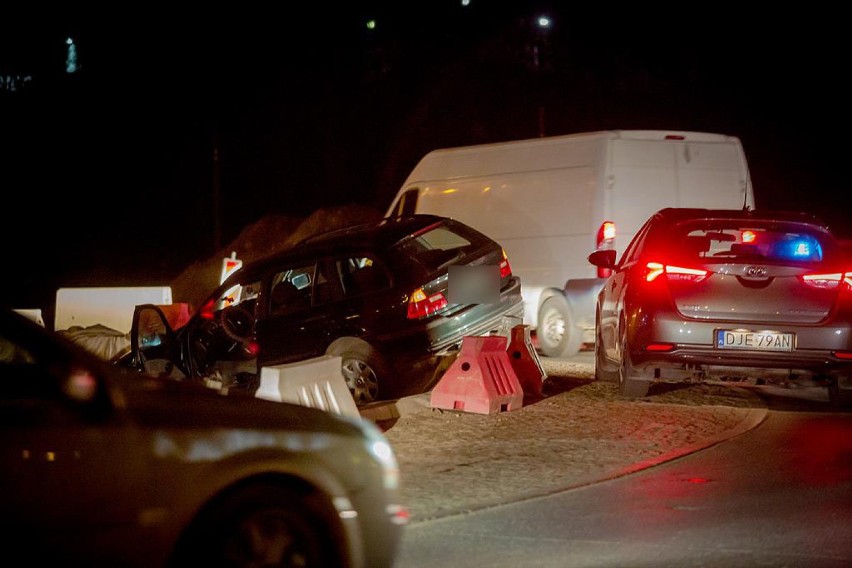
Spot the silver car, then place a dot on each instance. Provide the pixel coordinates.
(726, 294)
(107, 467)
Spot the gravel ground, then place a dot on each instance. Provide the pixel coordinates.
(580, 431)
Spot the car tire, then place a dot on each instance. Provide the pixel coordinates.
(557, 334)
(363, 369)
(260, 524)
(839, 397)
(601, 371)
(628, 385)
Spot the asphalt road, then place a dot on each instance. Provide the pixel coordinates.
(778, 495)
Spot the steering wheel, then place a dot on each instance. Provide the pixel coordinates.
(237, 323)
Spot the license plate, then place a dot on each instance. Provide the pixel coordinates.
(754, 340)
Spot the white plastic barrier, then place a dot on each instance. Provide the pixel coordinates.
(316, 382)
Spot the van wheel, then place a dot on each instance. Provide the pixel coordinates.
(363, 368)
(557, 335)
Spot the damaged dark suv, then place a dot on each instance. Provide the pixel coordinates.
(392, 298)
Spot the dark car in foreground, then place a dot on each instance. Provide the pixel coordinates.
(379, 295)
(726, 294)
(108, 467)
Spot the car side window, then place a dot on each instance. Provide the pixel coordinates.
(26, 376)
(362, 275)
(291, 289)
(13, 354)
(327, 287)
(634, 248)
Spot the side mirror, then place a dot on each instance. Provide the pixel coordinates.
(603, 258)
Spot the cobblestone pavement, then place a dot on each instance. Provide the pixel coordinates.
(580, 431)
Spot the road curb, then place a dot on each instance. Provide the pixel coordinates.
(754, 417)
(394, 409)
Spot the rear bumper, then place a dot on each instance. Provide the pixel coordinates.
(710, 362)
(424, 343)
(814, 352)
(446, 332)
(501, 325)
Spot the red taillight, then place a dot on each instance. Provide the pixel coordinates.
(680, 273)
(828, 281)
(659, 347)
(654, 269)
(420, 305)
(605, 240)
(843, 355)
(606, 234)
(505, 268)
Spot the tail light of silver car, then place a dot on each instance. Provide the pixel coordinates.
(605, 240)
(830, 281)
(653, 270)
(421, 305)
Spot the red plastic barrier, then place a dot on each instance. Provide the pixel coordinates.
(525, 361)
(177, 314)
(480, 380)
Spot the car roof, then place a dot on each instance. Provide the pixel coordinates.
(375, 235)
(384, 231)
(675, 214)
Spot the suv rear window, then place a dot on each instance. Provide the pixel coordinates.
(439, 245)
(751, 241)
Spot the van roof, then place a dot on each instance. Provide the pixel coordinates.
(505, 157)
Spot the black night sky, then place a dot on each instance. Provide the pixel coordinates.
(108, 177)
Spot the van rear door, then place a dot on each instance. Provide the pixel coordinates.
(649, 175)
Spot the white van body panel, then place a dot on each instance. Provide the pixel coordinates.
(545, 199)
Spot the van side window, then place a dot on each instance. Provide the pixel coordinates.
(406, 204)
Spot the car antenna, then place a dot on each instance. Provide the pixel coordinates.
(745, 193)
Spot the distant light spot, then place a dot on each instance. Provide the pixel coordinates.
(71, 57)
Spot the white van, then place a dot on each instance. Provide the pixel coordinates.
(552, 201)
